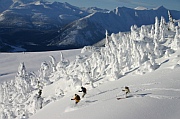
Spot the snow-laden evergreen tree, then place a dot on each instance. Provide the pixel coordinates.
(53, 63)
(142, 32)
(162, 37)
(44, 72)
(17, 92)
(134, 33)
(152, 31)
(162, 24)
(21, 70)
(156, 32)
(162, 30)
(1, 93)
(107, 40)
(168, 52)
(157, 45)
(171, 22)
(176, 41)
(62, 64)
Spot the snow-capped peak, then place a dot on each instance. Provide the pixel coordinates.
(26, 1)
(160, 7)
(141, 8)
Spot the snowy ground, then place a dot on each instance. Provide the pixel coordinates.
(9, 62)
(153, 95)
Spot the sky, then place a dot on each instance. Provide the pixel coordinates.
(112, 4)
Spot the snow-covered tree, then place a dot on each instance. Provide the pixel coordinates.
(44, 73)
(171, 22)
(53, 63)
(156, 32)
(21, 70)
(176, 41)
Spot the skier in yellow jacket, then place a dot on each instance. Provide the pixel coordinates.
(76, 98)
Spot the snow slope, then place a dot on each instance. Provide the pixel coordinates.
(153, 95)
(10, 61)
(147, 60)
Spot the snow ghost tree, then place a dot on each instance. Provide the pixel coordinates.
(107, 41)
(53, 63)
(171, 22)
(15, 93)
(176, 41)
(21, 70)
(156, 33)
(152, 31)
(62, 64)
(44, 73)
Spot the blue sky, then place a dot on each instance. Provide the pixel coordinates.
(112, 4)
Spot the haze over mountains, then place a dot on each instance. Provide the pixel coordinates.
(38, 25)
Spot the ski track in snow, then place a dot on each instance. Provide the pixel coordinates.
(145, 84)
(163, 97)
(81, 104)
(167, 89)
(101, 92)
(140, 92)
(150, 94)
(4, 74)
(136, 93)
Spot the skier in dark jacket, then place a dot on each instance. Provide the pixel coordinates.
(83, 89)
(126, 90)
(39, 93)
(76, 98)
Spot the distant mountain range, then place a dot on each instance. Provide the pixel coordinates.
(38, 25)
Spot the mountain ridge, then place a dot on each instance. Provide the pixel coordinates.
(121, 19)
(57, 26)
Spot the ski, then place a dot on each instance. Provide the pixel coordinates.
(120, 98)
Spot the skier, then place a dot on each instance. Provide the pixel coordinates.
(126, 90)
(39, 93)
(83, 89)
(76, 98)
